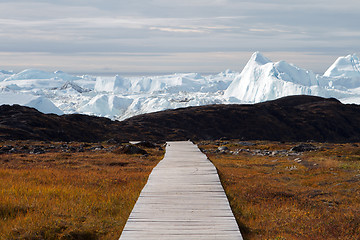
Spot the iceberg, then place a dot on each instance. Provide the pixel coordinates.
(38, 74)
(263, 80)
(344, 72)
(120, 97)
(106, 106)
(39, 102)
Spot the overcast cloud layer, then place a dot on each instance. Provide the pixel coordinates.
(174, 35)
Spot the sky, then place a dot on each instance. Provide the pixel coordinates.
(167, 36)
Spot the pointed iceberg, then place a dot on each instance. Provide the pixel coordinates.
(263, 80)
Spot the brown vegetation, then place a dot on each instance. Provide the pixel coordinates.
(274, 193)
(286, 195)
(63, 195)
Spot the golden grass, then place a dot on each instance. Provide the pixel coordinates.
(89, 195)
(57, 195)
(312, 196)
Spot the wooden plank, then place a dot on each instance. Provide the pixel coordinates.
(183, 199)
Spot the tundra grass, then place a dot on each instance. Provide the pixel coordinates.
(315, 195)
(84, 195)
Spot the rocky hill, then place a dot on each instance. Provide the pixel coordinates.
(294, 118)
(20, 123)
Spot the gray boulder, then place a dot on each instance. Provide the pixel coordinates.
(304, 147)
(223, 148)
(131, 149)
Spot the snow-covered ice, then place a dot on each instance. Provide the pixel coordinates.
(120, 97)
(263, 80)
(39, 102)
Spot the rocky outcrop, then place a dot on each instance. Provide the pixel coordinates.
(295, 118)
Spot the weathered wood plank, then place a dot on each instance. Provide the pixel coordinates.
(183, 199)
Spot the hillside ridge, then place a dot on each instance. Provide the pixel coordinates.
(293, 118)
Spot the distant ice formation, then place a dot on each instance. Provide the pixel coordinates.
(39, 102)
(119, 97)
(263, 80)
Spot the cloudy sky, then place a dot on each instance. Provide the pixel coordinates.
(145, 36)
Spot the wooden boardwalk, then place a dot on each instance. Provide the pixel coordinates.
(183, 199)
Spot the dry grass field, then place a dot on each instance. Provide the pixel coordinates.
(69, 194)
(274, 193)
(278, 194)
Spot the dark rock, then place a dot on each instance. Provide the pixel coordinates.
(224, 139)
(146, 144)
(161, 143)
(14, 150)
(85, 145)
(115, 141)
(37, 150)
(305, 147)
(111, 141)
(246, 143)
(131, 149)
(7, 148)
(24, 148)
(97, 148)
(72, 149)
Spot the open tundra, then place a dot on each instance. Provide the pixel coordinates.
(122, 97)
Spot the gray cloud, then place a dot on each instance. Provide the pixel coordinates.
(156, 27)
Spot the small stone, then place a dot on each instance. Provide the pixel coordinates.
(223, 148)
(37, 150)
